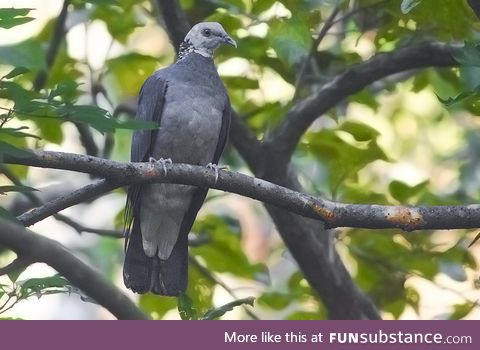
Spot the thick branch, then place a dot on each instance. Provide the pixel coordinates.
(333, 214)
(302, 115)
(176, 21)
(37, 248)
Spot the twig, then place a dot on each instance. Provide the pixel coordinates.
(316, 42)
(206, 273)
(90, 191)
(57, 38)
(85, 229)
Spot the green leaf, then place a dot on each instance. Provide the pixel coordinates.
(220, 311)
(130, 71)
(260, 6)
(50, 129)
(28, 54)
(16, 132)
(396, 307)
(412, 298)
(16, 72)
(224, 252)
(120, 30)
(11, 17)
(403, 192)
(469, 55)
(200, 288)
(5, 214)
(156, 307)
(275, 300)
(462, 310)
(341, 153)
(100, 119)
(45, 285)
(7, 149)
(229, 22)
(409, 5)
(13, 275)
(241, 83)
(450, 101)
(291, 39)
(67, 90)
(185, 308)
(360, 131)
(16, 188)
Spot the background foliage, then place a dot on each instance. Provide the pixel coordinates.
(409, 139)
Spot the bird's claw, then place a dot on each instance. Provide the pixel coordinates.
(162, 161)
(216, 168)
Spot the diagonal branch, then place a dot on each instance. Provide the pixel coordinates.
(333, 214)
(303, 114)
(37, 248)
(313, 49)
(85, 193)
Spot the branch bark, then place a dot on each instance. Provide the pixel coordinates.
(332, 214)
(36, 248)
(85, 193)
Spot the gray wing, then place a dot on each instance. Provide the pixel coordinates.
(201, 193)
(224, 131)
(150, 106)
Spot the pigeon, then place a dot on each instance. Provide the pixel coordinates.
(192, 108)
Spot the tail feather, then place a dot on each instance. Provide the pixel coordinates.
(165, 277)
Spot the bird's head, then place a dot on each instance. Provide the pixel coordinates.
(204, 38)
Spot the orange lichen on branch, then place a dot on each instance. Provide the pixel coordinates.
(150, 171)
(324, 213)
(405, 218)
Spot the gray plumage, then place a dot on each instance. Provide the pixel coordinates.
(191, 105)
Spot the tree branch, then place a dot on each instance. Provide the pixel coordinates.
(176, 21)
(302, 115)
(41, 249)
(313, 49)
(57, 38)
(333, 214)
(85, 193)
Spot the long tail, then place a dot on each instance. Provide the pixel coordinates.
(165, 277)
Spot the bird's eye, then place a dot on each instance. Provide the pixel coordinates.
(207, 32)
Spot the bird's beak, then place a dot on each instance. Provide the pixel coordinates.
(229, 41)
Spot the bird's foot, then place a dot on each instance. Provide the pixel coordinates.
(216, 168)
(161, 161)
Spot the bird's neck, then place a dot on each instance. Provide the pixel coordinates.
(187, 47)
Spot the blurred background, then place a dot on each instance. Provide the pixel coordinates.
(396, 142)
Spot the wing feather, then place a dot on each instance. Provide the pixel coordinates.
(150, 107)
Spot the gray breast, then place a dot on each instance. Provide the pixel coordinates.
(190, 124)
